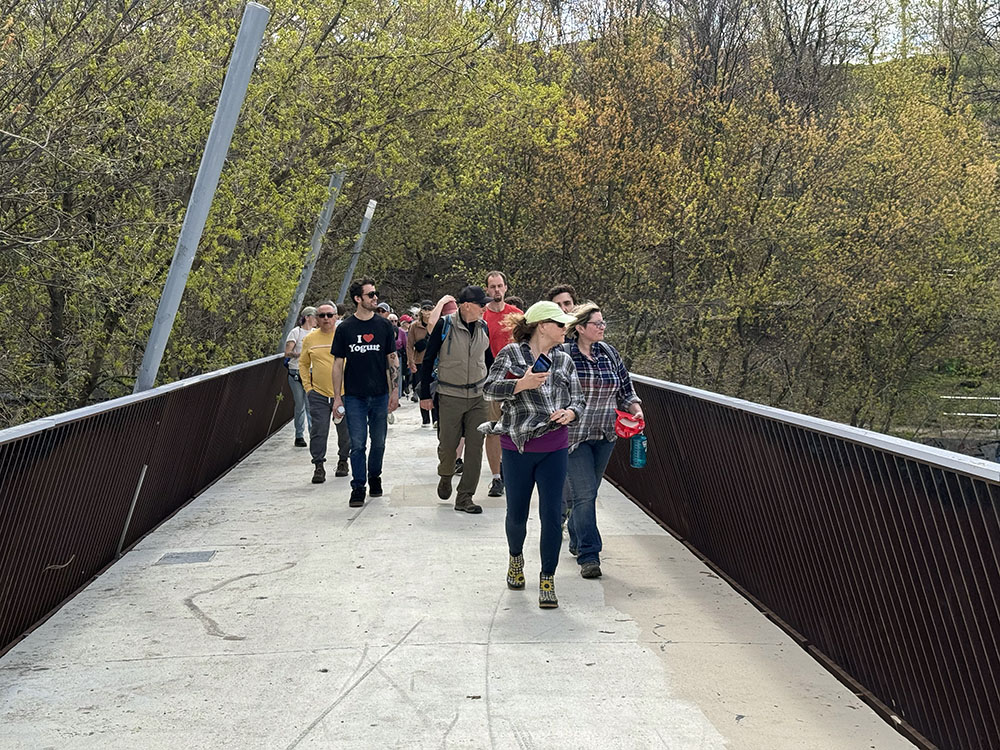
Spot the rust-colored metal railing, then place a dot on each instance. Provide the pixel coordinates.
(79, 488)
(879, 554)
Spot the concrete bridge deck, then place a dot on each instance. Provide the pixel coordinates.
(315, 625)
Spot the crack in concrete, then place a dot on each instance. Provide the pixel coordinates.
(315, 722)
(486, 690)
(211, 626)
(444, 740)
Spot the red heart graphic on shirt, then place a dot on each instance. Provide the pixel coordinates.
(368, 337)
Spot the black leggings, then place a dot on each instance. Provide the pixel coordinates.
(523, 472)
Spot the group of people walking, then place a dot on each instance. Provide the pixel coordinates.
(535, 390)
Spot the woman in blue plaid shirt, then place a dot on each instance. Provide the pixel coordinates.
(606, 386)
(537, 407)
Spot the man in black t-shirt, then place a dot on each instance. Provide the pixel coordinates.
(366, 372)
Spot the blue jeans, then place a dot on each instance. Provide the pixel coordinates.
(364, 413)
(522, 472)
(586, 469)
(299, 399)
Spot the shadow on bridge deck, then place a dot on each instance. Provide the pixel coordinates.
(315, 625)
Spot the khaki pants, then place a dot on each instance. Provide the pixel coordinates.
(458, 416)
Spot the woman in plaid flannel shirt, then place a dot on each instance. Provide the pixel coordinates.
(606, 386)
(537, 407)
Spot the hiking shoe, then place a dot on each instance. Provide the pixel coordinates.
(590, 570)
(459, 465)
(375, 486)
(425, 424)
(444, 488)
(300, 442)
(515, 572)
(357, 497)
(464, 503)
(319, 475)
(547, 592)
(341, 469)
(496, 488)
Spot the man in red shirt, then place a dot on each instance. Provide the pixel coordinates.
(495, 312)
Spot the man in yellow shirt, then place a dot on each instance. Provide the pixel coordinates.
(316, 370)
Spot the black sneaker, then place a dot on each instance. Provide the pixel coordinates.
(590, 570)
(459, 465)
(341, 469)
(300, 443)
(375, 486)
(496, 488)
(319, 475)
(444, 488)
(357, 497)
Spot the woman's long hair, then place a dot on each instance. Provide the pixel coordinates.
(520, 329)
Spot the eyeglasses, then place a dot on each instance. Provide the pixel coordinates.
(371, 295)
(326, 315)
(602, 324)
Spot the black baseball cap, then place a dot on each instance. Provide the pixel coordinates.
(474, 294)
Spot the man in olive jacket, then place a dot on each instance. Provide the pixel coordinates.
(459, 347)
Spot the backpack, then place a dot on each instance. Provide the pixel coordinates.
(444, 335)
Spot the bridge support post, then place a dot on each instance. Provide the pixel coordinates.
(336, 183)
(234, 90)
(356, 253)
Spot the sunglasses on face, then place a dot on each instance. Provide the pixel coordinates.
(556, 322)
(326, 315)
(371, 295)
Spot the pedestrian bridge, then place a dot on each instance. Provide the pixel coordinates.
(267, 613)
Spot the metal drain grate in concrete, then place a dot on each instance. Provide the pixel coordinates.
(182, 558)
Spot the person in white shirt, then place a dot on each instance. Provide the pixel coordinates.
(293, 349)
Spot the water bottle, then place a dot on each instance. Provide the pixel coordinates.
(637, 451)
(340, 415)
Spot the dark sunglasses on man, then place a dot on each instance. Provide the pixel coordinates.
(326, 315)
(371, 295)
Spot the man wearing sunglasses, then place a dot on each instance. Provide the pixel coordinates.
(316, 370)
(459, 345)
(366, 372)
